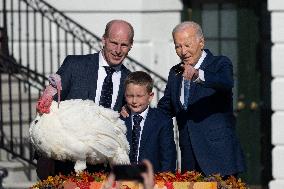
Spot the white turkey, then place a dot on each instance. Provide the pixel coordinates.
(78, 130)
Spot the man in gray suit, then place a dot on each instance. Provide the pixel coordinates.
(98, 77)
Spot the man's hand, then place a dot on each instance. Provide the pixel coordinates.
(148, 177)
(110, 183)
(124, 113)
(190, 73)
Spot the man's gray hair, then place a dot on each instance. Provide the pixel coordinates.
(189, 24)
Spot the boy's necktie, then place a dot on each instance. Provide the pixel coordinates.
(135, 137)
(107, 89)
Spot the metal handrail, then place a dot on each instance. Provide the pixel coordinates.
(22, 79)
(24, 74)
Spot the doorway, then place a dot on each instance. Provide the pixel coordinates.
(240, 30)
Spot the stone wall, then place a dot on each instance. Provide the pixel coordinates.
(276, 7)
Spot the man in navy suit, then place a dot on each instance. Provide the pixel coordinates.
(199, 95)
(82, 76)
(90, 77)
(149, 131)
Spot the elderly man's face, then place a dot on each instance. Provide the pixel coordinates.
(188, 45)
(117, 44)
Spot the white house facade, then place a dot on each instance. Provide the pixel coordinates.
(276, 7)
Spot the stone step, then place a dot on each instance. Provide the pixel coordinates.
(4, 155)
(20, 185)
(20, 174)
(25, 150)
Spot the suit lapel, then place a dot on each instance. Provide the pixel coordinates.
(94, 75)
(128, 123)
(177, 89)
(121, 88)
(147, 130)
(207, 61)
(192, 91)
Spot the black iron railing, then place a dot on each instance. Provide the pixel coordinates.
(40, 37)
(18, 94)
(35, 38)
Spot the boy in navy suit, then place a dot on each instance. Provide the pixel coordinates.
(149, 131)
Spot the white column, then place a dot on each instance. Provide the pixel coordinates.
(277, 92)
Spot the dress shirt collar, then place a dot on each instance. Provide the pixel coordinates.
(203, 55)
(143, 114)
(103, 62)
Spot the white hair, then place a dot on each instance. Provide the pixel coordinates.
(189, 24)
